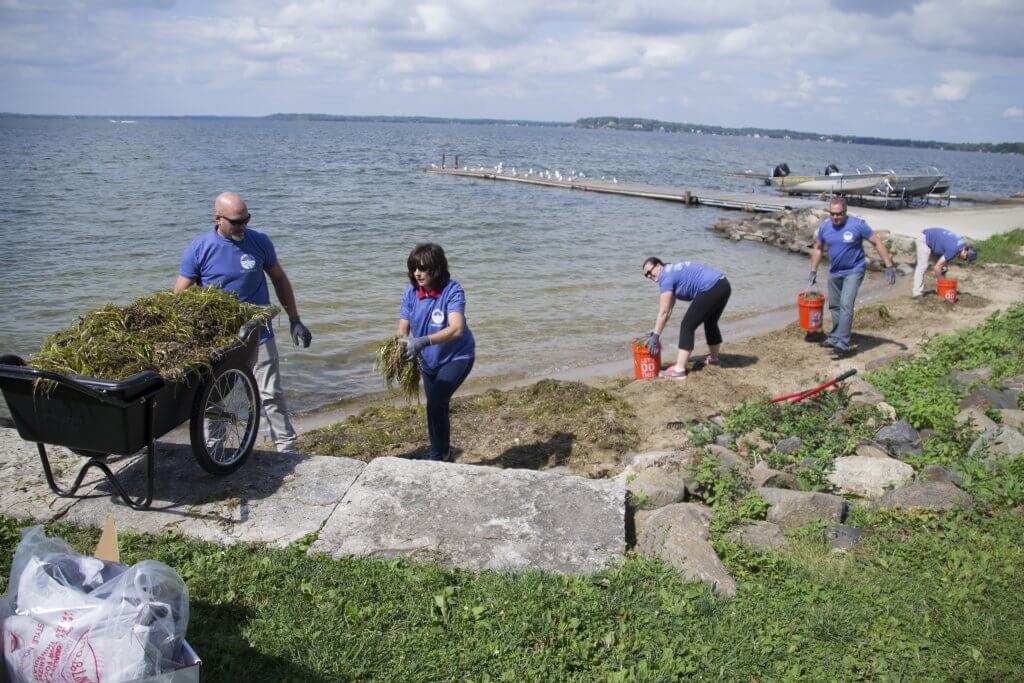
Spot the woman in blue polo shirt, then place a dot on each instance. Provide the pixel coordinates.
(709, 291)
(434, 318)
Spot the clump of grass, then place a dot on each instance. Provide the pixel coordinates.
(812, 295)
(390, 362)
(642, 339)
(169, 333)
(1005, 248)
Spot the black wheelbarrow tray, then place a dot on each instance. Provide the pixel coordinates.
(96, 417)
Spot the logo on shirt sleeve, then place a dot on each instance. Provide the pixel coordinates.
(437, 316)
(248, 262)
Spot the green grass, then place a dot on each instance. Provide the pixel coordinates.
(919, 387)
(1005, 248)
(933, 596)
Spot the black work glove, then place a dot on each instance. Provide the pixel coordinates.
(812, 278)
(300, 331)
(890, 275)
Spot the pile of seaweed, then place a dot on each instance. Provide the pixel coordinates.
(390, 362)
(166, 332)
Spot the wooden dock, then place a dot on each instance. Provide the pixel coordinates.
(684, 195)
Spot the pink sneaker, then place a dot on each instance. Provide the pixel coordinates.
(713, 361)
(674, 373)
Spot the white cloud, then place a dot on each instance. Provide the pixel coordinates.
(1014, 113)
(955, 86)
(905, 97)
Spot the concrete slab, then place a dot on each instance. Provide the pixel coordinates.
(275, 498)
(25, 492)
(478, 518)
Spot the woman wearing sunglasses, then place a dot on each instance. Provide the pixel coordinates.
(706, 288)
(434, 318)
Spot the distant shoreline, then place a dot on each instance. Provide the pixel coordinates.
(599, 122)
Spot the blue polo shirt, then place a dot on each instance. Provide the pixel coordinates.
(942, 242)
(687, 279)
(233, 266)
(845, 251)
(429, 315)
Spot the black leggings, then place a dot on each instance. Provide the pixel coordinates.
(706, 308)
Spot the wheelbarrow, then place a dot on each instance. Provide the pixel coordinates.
(96, 418)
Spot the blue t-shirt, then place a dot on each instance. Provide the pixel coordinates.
(942, 242)
(845, 251)
(429, 315)
(687, 279)
(233, 266)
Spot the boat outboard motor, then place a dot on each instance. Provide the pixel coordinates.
(781, 171)
(831, 169)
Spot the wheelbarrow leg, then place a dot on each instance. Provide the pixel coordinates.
(141, 503)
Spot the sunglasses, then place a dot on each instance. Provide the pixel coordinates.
(649, 274)
(238, 222)
(836, 213)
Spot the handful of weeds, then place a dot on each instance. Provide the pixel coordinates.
(642, 339)
(166, 332)
(390, 362)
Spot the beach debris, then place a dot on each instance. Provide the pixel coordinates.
(166, 332)
(390, 362)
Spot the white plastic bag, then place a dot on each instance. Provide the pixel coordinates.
(81, 619)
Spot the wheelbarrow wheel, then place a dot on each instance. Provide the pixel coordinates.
(225, 421)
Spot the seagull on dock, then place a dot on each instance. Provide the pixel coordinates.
(615, 180)
(558, 175)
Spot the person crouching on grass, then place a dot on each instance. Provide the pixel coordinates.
(434, 316)
(709, 291)
(944, 244)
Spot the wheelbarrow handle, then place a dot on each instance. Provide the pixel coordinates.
(147, 382)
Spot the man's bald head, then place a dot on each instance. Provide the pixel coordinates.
(231, 215)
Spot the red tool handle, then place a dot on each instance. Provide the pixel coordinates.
(801, 395)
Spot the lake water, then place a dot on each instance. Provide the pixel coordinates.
(93, 212)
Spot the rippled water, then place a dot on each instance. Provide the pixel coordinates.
(93, 212)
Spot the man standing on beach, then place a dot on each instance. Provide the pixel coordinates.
(846, 264)
(235, 258)
(947, 246)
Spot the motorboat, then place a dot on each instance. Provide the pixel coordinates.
(896, 185)
(832, 182)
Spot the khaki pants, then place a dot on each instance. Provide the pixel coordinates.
(924, 257)
(267, 371)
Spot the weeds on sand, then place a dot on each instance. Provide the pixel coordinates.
(390, 362)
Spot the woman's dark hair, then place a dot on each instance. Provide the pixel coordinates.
(653, 260)
(430, 258)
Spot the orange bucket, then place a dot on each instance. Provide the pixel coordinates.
(810, 310)
(947, 289)
(645, 366)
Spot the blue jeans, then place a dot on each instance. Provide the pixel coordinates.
(439, 385)
(842, 293)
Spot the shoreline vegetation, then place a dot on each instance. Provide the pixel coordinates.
(596, 122)
(911, 593)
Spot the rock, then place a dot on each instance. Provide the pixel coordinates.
(809, 461)
(1014, 382)
(870, 449)
(752, 440)
(674, 461)
(935, 473)
(789, 445)
(940, 495)
(717, 420)
(793, 508)
(727, 459)
(477, 518)
(900, 438)
(904, 269)
(725, 439)
(764, 476)
(969, 377)
(987, 397)
(977, 417)
(678, 534)
(998, 442)
(654, 488)
(760, 535)
(876, 363)
(1012, 418)
(888, 412)
(869, 477)
(842, 537)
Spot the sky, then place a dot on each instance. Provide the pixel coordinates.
(950, 70)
